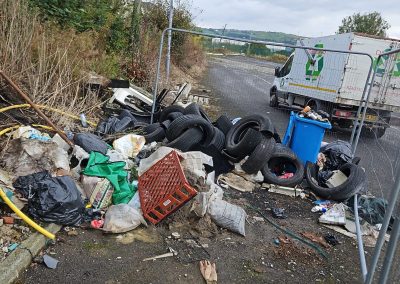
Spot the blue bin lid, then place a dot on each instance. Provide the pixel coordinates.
(326, 125)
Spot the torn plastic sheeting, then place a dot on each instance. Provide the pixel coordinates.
(27, 156)
(192, 161)
(122, 218)
(100, 166)
(129, 145)
(30, 133)
(52, 199)
(337, 153)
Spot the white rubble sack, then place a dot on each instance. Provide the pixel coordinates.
(122, 218)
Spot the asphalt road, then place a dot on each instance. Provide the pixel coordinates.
(241, 87)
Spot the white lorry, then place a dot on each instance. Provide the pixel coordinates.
(334, 82)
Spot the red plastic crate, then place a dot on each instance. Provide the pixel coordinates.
(163, 188)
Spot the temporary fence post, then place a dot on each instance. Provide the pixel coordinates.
(385, 224)
(361, 252)
(168, 62)
(153, 107)
(390, 251)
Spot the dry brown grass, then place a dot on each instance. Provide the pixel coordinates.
(45, 61)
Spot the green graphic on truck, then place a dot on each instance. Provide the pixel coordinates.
(380, 69)
(314, 70)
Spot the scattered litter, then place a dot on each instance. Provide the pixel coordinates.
(171, 252)
(29, 132)
(98, 190)
(316, 239)
(50, 262)
(236, 182)
(335, 215)
(289, 191)
(209, 271)
(331, 239)
(279, 213)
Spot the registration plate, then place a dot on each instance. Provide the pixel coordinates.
(370, 117)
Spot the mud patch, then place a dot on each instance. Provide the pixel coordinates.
(144, 235)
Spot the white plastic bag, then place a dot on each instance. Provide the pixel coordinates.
(122, 218)
(129, 145)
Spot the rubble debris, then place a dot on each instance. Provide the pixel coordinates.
(279, 213)
(331, 239)
(237, 182)
(316, 239)
(25, 157)
(171, 252)
(284, 190)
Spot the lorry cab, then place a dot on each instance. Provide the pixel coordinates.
(281, 82)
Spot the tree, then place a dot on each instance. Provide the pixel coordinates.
(371, 23)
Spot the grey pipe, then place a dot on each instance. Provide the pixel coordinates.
(390, 251)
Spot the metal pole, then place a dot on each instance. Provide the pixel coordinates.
(153, 107)
(38, 111)
(171, 16)
(364, 105)
(385, 224)
(390, 251)
(361, 252)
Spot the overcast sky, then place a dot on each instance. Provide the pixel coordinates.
(301, 17)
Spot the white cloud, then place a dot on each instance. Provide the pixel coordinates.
(301, 17)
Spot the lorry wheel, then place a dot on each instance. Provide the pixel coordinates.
(273, 99)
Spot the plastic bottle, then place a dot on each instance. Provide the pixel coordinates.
(83, 120)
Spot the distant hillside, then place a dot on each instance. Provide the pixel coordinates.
(255, 35)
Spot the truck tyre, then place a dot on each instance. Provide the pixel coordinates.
(283, 157)
(151, 127)
(156, 135)
(224, 124)
(273, 97)
(187, 140)
(218, 140)
(258, 122)
(170, 109)
(242, 145)
(194, 108)
(260, 156)
(356, 182)
(174, 115)
(182, 123)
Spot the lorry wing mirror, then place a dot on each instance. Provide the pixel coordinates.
(277, 71)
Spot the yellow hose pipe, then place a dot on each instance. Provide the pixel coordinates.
(46, 108)
(24, 217)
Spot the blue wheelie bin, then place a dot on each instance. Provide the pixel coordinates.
(304, 137)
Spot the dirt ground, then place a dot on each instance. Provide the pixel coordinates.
(93, 257)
